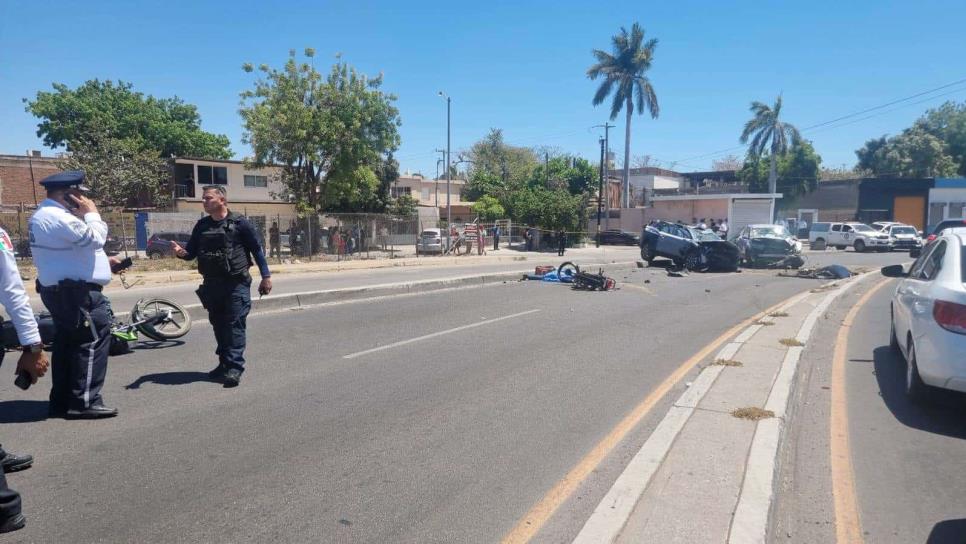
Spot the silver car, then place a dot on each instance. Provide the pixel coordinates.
(929, 316)
(430, 241)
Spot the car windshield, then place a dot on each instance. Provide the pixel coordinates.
(903, 230)
(429, 233)
(704, 235)
(770, 231)
(863, 228)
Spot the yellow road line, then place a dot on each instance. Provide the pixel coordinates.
(534, 520)
(848, 526)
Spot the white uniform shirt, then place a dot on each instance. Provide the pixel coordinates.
(14, 297)
(65, 247)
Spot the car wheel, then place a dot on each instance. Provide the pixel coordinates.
(646, 254)
(819, 244)
(841, 248)
(916, 389)
(692, 260)
(860, 246)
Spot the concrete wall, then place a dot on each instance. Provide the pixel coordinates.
(236, 181)
(424, 190)
(686, 210)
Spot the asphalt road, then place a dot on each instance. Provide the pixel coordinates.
(417, 436)
(907, 458)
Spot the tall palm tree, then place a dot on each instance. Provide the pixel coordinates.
(624, 74)
(766, 128)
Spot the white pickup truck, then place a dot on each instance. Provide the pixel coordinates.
(842, 235)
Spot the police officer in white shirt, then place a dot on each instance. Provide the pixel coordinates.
(32, 364)
(67, 238)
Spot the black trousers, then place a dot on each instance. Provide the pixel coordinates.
(81, 344)
(9, 499)
(228, 302)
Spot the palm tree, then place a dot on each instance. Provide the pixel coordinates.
(624, 74)
(768, 128)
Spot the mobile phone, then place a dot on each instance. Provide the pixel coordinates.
(71, 203)
(22, 381)
(123, 265)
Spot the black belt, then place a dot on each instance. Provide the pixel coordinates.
(92, 286)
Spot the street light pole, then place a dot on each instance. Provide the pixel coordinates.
(449, 212)
(600, 190)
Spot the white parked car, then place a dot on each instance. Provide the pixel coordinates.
(859, 236)
(929, 316)
(903, 237)
(430, 241)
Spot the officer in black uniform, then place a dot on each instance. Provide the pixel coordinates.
(225, 245)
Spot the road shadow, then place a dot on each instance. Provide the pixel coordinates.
(940, 414)
(951, 531)
(170, 378)
(158, 344)
(23, 411)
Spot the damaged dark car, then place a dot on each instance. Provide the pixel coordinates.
(688, 247)
(769, 246)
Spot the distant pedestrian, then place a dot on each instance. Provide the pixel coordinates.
(723, 229)
(561, 243)
(496, 237)
(275, 241)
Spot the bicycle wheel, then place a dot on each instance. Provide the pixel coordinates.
(567, 269)
(176, 325)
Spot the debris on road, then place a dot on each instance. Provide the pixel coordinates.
(831, 272)
(752, 413)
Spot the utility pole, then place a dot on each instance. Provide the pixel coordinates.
(449, 213)
(442, 155)
(600, 190)
(33, 183)
(607, 127)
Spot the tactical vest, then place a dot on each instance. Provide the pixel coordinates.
(220, 253)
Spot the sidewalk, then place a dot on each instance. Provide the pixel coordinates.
(705, 474)
(503, 255)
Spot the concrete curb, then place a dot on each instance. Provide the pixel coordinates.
(305, 299)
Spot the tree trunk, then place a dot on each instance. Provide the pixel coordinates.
(625, 193)
(773, 173)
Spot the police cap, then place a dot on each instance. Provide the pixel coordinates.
(65, 180)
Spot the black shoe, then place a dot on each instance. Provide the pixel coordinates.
(13, 462)
(218, 372)
(232, 377)
(94, 412)
(13, 524)
(56, 413)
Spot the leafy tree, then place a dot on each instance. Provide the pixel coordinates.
(914, 153)
(165, 126)
(492, 156)
(766, 128)
(730, 162)
(488, 208)
(120, 172)
(404, 206)
(948, 124)
(566, 172)
(550, 209)
(624, 72)
(798, 171)
(328, 134)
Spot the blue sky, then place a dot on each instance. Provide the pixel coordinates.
(519, 66)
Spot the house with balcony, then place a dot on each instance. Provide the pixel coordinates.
(250, 191)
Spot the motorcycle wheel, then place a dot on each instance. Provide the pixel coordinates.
(177, 326)
(571, 267)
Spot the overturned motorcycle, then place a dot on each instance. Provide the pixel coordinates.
(156, 318)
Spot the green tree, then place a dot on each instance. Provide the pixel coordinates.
(488, 208)
(797, 170)
(569, 173)
(766, 128)
(328, 134)
(119, 172)
(498, 167)
(624, 73)
(166, 126)
(404, 206)
(914, 153)
(948, 124)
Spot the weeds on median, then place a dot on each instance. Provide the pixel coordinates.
(778, 314)
(752, 413)
(726, 362)
(790, 342)
(764, 323)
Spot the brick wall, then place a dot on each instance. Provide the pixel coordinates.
(15, 183)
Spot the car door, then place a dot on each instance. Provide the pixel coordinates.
(665, 242)
(682, 241)
(913, 296)
(848, 235)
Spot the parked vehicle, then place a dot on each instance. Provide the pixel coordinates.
(113, 246)
(689, 247)
(818, 235)
(929, 316)
(859, 236)
(617, 237)
(902, 237)
(943, 225)
(762, 245)
(430, 241)
(881, 225)
(159, 244)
